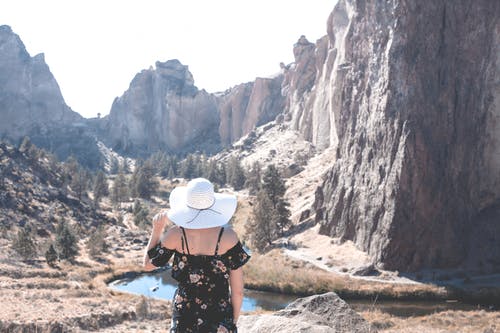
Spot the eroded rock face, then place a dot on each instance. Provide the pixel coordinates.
(162, 109)
(31, 105)
(412, 93)
(309, 86)
(248, 105)
(29, 94)
(314, 314)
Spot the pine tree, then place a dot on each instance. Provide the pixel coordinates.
(71, 165)
(278, 215)
(236, 174)
(144, 184)
(188, 167)
(262, 228)
(254, 178)
(119, 191)
(101, 188)
(24, 244)
(273, 184)
(211, 171)
(79, 182)
(140, 214)
(51, 256)
(283, 214)
(66, 241)
(96, 244)
(171, 172)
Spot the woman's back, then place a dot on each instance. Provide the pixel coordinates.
(207, 258)
(203, 261)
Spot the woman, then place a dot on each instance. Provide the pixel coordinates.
(207, 258)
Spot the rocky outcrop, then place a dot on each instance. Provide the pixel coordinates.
(248, 105)
(308, 89)
(412, 95)
(31, 104)
(326, 313)
(162, 109)
(29, 94)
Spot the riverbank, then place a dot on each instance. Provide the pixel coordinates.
(279, 273)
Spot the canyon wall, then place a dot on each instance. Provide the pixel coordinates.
(248, 105)
(31, 104)
(162, 109)
(411, 91)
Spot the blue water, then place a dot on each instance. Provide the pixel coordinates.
(162, 286)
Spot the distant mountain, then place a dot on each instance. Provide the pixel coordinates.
(164, 110)
(31, 104)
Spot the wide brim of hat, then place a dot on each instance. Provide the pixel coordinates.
(219, 213)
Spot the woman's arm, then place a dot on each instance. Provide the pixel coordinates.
(159, 222)
(236, 283)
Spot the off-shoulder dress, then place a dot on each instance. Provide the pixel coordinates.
(202, 302)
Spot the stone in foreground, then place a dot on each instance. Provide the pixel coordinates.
(313, 314)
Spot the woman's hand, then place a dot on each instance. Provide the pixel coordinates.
(160, 220)
(159, 223)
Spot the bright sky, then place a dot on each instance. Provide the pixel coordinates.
(94, 48)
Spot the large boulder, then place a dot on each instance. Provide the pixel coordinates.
(326, 313)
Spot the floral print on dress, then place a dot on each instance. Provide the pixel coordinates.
(202, 302)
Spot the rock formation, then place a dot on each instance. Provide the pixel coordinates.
(31, 104)
(314, 314)
(308, 89)
(162, 109)
(412, 94)
(248, 105)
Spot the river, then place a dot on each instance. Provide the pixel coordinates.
(161, 285)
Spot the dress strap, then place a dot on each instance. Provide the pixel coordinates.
(218, 240)
(184, 240)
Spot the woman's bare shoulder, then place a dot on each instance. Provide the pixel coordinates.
(229, 238)
(171, 237)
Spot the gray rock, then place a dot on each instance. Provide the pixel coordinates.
(31, 104)
(163, 109)
(313, 314)
(248, 105)
(412, 98)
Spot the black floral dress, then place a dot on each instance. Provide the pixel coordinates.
(202, 302)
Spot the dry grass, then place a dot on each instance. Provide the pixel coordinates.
(275, 272)
(442, 322)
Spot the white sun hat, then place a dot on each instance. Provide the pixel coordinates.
(197, 206)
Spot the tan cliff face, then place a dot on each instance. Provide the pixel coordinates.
(412, 96)
(162, 109)
(248, 105)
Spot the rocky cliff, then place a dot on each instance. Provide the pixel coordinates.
(411, 92)
(248, 105)
(31, 104)
(162, 109)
